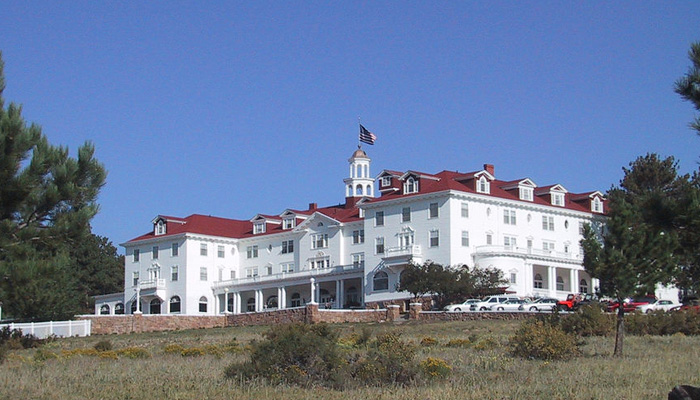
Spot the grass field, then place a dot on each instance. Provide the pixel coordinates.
(652, 366)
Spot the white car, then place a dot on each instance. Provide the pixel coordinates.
(664, 305)
(489, 301)
(462, 306)
(509, 305)
(542, 304)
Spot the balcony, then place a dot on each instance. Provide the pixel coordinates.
(402, 255)
(527, 252)
(152, 284)
(298, 275)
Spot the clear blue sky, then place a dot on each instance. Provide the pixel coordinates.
(237, 108)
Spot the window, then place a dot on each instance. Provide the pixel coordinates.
(259, 227)
(509, 242)
(385, 181)
(465, 210)
(287, 246)
(513, 278)
(175, 305)
(288, 223)
(538, 283)
(489, 239)
(287, 267)
(174, 273)
(434, 238)
(411, 186)
(547, 246)
(203, 274)
(465, 239)
(296, 300)
(154, 252)
(406, 239)
(154, 306)
(526, 193)
(203, 304)
(358, 260)
(137, 253)
(233, 274)
(597, 205)
(268, 269)
(119, 309)
(160, 228)
(250, 304)
(358, 236)
(379, 218)
(560, 283)
(202, 249)
(251, 272)
(252, 251)
(135, 278)
(547, 223)
(319, 241)
(220, 252)
(318, 263)
(483, 185)
(583, 286)
(558, 199)
(509, 217)
(433, 210)
(379, 245)
(104, 310)
(380, 281)
(406, 214)
(174, 250)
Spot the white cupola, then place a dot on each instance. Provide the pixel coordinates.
(360, 183)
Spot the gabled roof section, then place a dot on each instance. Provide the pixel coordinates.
(420, 175)
(557, 188)
(477, 174)
(268, 219)
(167, 219)
(587, 196)
(527, 182)
(387, 172)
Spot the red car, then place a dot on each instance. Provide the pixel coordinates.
(631, 304)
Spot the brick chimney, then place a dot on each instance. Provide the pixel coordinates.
(490, 169)
(312, 206)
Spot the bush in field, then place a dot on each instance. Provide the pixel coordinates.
(588, 321)
(661, 323)
(13, 339)
(103, 345)
(487, 343)
(435, 368)
(535, 339)
(428, 341)
(389, 360)
(134, 352)
(43, 355)
(459, 343)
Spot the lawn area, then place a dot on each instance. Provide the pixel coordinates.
(652, 366)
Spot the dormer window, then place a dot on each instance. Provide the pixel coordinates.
(386, 181)
(558, 199)
(160, 227)
(483, 185)
(597, 205)
(259, 227)
(526, 193)
(410, 186)
(288, 223)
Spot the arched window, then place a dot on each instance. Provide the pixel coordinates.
(368, 192)
(411, 186)
(250, 305)
(104, 310)
(583, 286)
(483, 185)
(296, 300)
(154, 306)
(538, 284)
(358, 189)
(560, 283)
(203, 304)
(175, 305)
(229, 304)
(272, 301)
(380, 281)
(349, 192)
(119, 309)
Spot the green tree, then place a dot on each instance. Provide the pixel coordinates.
(98, 269)
(689, 85)
(47, 200)
(634, 251)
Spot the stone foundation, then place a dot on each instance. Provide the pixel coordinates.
(120, 324)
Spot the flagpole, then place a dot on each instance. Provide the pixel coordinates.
(359, 123)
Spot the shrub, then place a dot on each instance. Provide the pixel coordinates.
(193, 352)
(108, 354)
(536, 340)
(435, 368)
(587, 321)
(173, 349)
(3, 354)
(459, 343)
(661, 323)
(428, 341)
(43, 355)
(13, 339)
(488, 343)
(134, 352)
(389, 360)
(103, 345)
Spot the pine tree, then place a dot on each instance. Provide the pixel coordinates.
(689, 85)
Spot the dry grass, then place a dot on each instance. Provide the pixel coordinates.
(652, 366)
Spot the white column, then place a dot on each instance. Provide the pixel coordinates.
(341, 295)
(258, 300)
(338, 295)
(237, 303)
(279, 298)
(313, 291)
(283, 297)
(552, 281)
(573, 276)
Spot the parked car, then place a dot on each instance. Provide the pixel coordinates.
(509, 305)
(575, 301)
(542, 304)
(630, 305)
(489, 301)
(461, 306)
(664, 305)
(688, 305)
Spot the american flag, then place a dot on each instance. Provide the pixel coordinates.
(367, 136)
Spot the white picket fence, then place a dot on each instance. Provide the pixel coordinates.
(42, 330)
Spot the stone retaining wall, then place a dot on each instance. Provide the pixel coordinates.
(274, 317)
(107, 324)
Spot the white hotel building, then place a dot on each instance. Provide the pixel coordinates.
(352, 254)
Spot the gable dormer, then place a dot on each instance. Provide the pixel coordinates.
(389, 181)
(290, 219)
(260, 223)
(523, 189)
(412, 181)
(594, 201)
(159, 227)
(480, 181)
(554, 194)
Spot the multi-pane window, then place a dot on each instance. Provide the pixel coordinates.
(220, 252)
(411, 186)
(597, 205)
(319, 263)
(434, 238)
(513, 278)
(268, 269)
(233, 274)
(287, 246)
(287, 267)
(379, 218)
(135, 278)
(379, 245)
(174, 273)
(526, 193)
(489, 238)
(175, 304)
(202, 249)
(538, 283)
(509, 217)
(465, 238)
(251, 272)
(547, 223)
(386, 181)
(560, 283)
(548, 246)
(319, 241)
(558, 199)
(380, 281)
(465, 210)
(252, 251)
(358, 236)
(483, 185)
(259, 227)
(288, 223)
(406, 214)
(203, 274)
(509, 242)
(358, 260)
(174, 250)
(433, 210)
(203, 304)
(154, 252)
(583, 286)
(137, 254)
